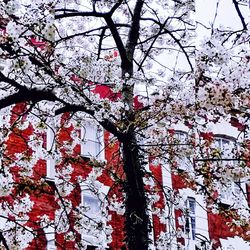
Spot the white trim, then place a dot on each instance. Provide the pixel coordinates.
(50, 137)
(169, 211)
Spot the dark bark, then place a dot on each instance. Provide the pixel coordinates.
(236, 5)
(3, 240)
(137, 220)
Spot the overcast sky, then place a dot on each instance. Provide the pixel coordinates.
(227, 15)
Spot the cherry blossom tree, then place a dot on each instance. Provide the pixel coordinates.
(56, 54)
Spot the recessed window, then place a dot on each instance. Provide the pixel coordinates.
(50, 146)
(190, 225)
(224, 147)
(92, 208)
(91, 204)
(92, 141)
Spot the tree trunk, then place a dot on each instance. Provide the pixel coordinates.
(137, 220)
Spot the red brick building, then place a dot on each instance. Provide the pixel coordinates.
(61, 189)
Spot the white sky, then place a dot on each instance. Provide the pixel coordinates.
(227, 15)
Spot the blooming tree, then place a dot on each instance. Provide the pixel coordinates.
(56, 55)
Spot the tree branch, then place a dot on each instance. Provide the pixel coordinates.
(151, 45)
(115, 7)
(80, 14)
(105, 123)
(92, 30)
(117, 39)
(133, 35)
(26, 95)
(3, 240)
(12, 82)
(182, 48)
(236, 5)
(100, 43)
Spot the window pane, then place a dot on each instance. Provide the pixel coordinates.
(92, 205)
(224, 146)
(190, 221)
(192, 206)
(92, 140)
(193, 227)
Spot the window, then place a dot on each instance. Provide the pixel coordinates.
(50, 146)
(92, 141)
(93, 208)
(224, 146)
(91, 204)
(190, 219)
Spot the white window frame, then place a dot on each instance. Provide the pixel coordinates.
(191, 218)
(50, 147)
(92, 138)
